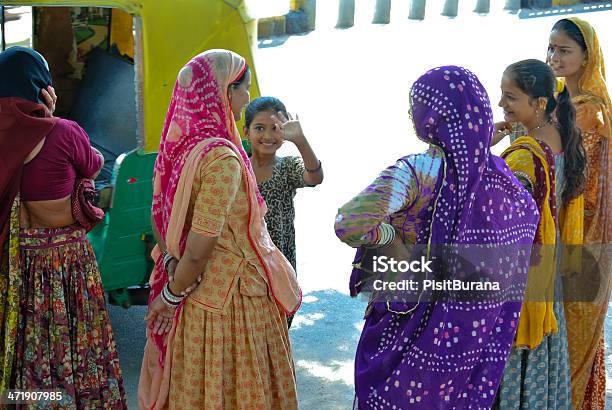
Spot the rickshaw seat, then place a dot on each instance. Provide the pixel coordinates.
(105, 106)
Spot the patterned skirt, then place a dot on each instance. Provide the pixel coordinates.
(538, 378)
(237, 360)
(65, 340)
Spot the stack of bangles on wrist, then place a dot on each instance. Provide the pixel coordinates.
(169, 298)
(386, 234)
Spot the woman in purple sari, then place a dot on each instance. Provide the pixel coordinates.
(447, 353)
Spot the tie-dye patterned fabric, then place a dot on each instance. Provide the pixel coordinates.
(443, 354)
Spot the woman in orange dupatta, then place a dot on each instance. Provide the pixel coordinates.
(225, 344)
(574, 53)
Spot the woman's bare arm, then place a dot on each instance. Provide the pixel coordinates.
(198, 250)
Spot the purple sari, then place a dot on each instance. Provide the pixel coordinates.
(450, 354)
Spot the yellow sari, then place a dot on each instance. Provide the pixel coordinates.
(529, 163)
(585, 320)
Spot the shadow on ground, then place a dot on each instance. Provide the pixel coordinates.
(130, 336)
(324, 335)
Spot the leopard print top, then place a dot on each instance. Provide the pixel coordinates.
(279, 191)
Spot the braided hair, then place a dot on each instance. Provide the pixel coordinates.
(536, 79)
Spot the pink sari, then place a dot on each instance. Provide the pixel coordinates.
(200, 118)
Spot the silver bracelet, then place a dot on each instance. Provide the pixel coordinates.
(167, 302)
(312, 171)
(167, 259)
(170, 297)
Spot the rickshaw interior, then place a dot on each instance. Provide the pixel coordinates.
(90, 51)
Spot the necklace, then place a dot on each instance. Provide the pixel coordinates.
(538, 127)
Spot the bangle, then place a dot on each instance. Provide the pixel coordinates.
(387, 234)
(169, 298)
(167, 259)
(318, 168)
(168, 303)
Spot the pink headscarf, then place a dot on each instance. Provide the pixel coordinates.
(198, 110)
(200, 118)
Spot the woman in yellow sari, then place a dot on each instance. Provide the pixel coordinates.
(574, 53)
(220, 341)
(549, 160)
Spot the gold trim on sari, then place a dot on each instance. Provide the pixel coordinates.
(585, 320)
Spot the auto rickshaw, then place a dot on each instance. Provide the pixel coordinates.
(114, 64)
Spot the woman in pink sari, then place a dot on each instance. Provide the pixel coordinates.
(220, 291)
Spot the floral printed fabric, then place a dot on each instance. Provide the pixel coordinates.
(585, 321)
(10, 283)
(65, 339)
(231, 349)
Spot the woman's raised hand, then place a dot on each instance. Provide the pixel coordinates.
(290, 128)
(502, 126)
(49, 97)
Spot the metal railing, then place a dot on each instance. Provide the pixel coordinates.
(450, 8)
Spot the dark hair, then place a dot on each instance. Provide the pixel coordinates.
(262, 104)
(536, 79)
(572, 31)
(240, 79)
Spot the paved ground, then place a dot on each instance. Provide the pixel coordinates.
(324, 335)
(350, 88)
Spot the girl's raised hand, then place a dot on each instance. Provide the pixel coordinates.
(502, 130)
(290, 128)
(503, 126)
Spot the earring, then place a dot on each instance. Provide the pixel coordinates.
(584, 63)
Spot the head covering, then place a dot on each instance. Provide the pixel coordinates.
(451, 110)
(24, 121)
(593, 79)
(199, 110)
(200, 118)
(25, 73)
(451, 354)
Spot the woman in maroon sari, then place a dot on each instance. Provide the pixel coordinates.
(56, 333)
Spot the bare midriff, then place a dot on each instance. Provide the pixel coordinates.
(55, 213)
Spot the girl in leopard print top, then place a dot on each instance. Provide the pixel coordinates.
(267, 127)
